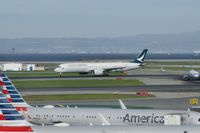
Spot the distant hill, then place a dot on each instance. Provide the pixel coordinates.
(173, 43)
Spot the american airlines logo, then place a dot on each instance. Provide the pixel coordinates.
(143, 119)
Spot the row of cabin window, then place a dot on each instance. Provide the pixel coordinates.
(66, 116)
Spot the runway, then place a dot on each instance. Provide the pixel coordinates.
(86, 90)
(157, 82)
(159, 103)
(154, 82)
(164, 101)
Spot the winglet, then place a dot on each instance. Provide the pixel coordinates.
(123, 106)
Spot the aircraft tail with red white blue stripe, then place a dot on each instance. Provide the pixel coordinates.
(12, 94)
(8, 113)
(11, 120)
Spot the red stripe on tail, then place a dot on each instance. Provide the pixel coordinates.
(9, 99)
(2, 83)
(2, 117)
(15, 129)
(21, 108)
(5, 92)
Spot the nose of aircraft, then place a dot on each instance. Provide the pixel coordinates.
(57, 70)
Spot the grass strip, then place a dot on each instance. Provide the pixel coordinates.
(74, 83)
(50, 74)
(61, 97)
(38, 74)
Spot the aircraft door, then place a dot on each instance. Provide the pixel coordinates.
(83, 119)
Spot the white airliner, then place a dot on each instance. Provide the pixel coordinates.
(90, 116)
(101, 68)
(192, 75)
(12, 121)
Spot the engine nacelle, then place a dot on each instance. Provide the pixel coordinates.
(98, 72)
(62, 125)
(49, 106)
(186, 77)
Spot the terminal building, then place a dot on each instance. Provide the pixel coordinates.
(21, 67)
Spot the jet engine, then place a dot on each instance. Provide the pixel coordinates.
(98, 72)
(61, 125)
(186, 77)
(48, 106)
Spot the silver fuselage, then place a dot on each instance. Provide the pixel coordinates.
(87, 116)
(87, 67)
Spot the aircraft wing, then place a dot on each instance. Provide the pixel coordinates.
(114, 68)
(101, 71)
(108, 69)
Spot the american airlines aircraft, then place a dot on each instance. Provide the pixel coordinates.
(13, 122)
(101, 68)
(90, 116)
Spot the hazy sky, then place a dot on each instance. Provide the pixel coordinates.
(96, 18)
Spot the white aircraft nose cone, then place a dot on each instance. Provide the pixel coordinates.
(57, 70)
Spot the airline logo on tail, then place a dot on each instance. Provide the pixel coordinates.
(12, 94)
(10, 119)
(140, 58)
(7, 110)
